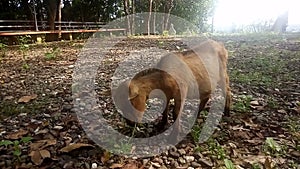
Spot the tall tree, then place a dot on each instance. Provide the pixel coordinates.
(149, 16)
(52, 6)
(126, 10)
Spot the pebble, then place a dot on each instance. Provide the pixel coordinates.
(159, 160)
(94, 165)
(174, 164)
(254, 103)
(181, 160)
(195, 164)
(198, 155)
(174, 154)
(58, 127)
(145, 161)
(163, 167)
(205, 162)
(157, 165)
(181, 152)
(189, 158)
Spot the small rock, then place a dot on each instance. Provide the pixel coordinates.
(67, 107)
(181, 160)
(295, 153)
(69, 165)
(198, 155)
(174, 154)
(205, 162)
(254, 103)
(8, 97)
(163, 167)
(281, 111)
(145, 161)
(181, 151)
(160, 161)
(46, 115)
(174, 164)
(2, 164)
(189, 158)
(190, 168)
(94, 165)
(58, 127)
(195, 164)
(157, 165)
(23, 114)
(8, 162)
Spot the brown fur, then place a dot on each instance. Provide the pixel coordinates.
(174, 76)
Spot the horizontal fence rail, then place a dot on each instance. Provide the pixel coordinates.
(29, 25)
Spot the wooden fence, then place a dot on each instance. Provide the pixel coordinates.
(65, 29)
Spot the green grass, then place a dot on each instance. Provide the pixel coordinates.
(242, 104)
(10, 108)
(16, 145)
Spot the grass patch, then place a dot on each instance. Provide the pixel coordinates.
(10, 108)
(243, 103)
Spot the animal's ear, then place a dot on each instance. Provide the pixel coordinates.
(133, 91)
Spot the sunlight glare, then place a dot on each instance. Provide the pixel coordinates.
(243, 12)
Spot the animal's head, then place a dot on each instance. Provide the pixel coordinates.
(131, 100)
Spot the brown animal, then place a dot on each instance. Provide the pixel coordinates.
(181, 75)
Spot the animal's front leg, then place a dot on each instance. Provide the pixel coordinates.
(164, 120)
(179, 104)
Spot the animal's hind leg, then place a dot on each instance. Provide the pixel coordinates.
(228, 97)
(203, 102)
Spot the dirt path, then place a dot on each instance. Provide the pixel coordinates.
(263, 130)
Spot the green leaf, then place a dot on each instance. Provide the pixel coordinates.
(16, 142)
(17, 152)
(272, 144)
(5, 143)
(228, 164)
(26, 139)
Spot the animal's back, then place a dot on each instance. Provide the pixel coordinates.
(200, 64)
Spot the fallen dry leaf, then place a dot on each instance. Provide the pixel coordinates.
(72, 147)
(45, 153)
(267, 164)
(116, 166)
(41, 144)
(26, 99)
(105, 157)
(36, 157)
(17, 135)
(130, 166)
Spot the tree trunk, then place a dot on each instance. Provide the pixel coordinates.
(59, 18)
(133, 17)
(51, 6)
(126, 10)
(169, 7)
(154, 17)
(149, 17)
